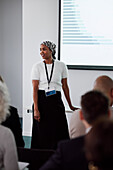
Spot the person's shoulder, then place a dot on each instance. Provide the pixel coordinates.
(37, 64)
(75, 116)
(4, 131)
(71, 142)
(13, 112)
(76, 126)
(7, 137)
(60, 64)
(75, 113)
(12, 108)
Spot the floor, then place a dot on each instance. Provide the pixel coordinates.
(27, 140)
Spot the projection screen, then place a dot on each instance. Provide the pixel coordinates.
(86, 34)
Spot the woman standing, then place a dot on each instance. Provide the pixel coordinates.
(49, 120)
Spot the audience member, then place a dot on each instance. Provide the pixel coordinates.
(70, 153)
(103, 84)
(8, 152)
(12, 121)
(99, 145)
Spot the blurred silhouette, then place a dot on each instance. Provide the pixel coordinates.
(99, 145)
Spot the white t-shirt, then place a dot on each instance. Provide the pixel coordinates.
(59, 72)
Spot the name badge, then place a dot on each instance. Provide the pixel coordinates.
(50, 91)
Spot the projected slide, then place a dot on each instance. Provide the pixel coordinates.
(86, 32)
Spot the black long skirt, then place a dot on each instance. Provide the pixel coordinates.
(53, 124)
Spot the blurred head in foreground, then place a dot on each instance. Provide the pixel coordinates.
(99, 145)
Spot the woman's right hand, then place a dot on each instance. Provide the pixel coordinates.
(37, 115)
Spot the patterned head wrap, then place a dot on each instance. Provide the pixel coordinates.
(51, 46)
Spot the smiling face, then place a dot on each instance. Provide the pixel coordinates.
(45, 52)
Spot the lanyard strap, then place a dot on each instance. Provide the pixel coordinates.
(49, 80)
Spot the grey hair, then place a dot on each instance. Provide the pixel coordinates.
(51, 46)
(4, 101)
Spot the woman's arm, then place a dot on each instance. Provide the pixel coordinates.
(66, 93)
(35, 99)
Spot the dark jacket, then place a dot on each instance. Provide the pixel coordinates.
(68, 156)
(13, 123)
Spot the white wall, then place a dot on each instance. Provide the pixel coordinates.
(0, 36)
(11, 49)
(81, 81)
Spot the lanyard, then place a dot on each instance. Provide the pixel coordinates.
(49, 80)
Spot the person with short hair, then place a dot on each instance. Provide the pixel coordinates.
(105, 85)
(49, 120)
(93, 105)
(70, 153)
